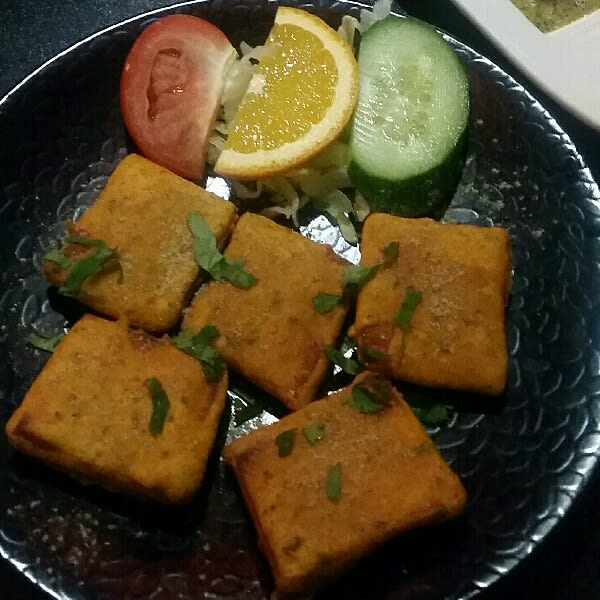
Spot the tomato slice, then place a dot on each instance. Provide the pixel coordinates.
(171, 86)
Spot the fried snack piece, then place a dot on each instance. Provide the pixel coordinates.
(141, 213)
(456, 335)
(392, 479)
(88, 412)
(271, 332)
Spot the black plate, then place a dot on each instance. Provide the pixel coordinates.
(62, 135)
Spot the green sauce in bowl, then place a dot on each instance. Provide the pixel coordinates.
(548, 15)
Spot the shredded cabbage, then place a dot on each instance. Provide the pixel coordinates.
(368, 18)
(323, 180)
(348, 28)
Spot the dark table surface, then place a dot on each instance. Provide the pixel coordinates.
(567, 564)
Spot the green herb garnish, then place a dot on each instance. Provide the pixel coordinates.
(313, 433)
(364, 400)
(433, 415)
(199, 346)
(374, 354)
(56, 256)
(285, 442)
(333, 483)
(209, 257)
(358, 275)
(325, 303)
(412, 299)
(234, 272)
(355, 276)
(372, 397)
(43, 343)
(348, 365)
(160, 406)
(390, 253)
(83, 268)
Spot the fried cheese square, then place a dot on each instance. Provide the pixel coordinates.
(351, 481)
(456, 336)
(89, 410)
(142, 214)
(271, 332)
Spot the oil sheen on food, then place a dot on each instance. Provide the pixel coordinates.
(548, 15)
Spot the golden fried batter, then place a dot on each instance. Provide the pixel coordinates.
(392, 479)
(271, 332)
(456, 335)
(141, 213)
(88, 412)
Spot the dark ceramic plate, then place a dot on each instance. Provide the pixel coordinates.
(523, 464)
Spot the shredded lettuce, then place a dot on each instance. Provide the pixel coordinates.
(368, 18)
(348, 28)
(350, 25)
(338, 205)
(239, 77)
(324, 181)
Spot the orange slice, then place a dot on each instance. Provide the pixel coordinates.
(299, 100)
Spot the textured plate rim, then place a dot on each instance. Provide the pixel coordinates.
(502, 76)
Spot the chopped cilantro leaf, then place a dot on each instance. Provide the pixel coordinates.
(206, 252)
(213, 363)
(184, 340)
(160, 406)
(198, 346)
(285, 442)
(83, 268)
(234, 272)
(43, 343)
(325, 303)
(370, 399)
(411, 300)
(56, 256)
(374, 354)
(348, 365)
(313, 433)
(209, 258)
(364, 401)
(207, 335)
(390, 253)
(435, 414)
(333, 483)
(358, 275)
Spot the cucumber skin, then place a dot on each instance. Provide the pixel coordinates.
(426, 195)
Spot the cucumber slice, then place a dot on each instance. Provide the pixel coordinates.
(409, 133)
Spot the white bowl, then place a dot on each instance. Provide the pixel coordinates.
(565, 63)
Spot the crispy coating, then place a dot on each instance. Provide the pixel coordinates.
(88, 412)
(271, 332)
(142, 214)
(393, 479)
(456, 337)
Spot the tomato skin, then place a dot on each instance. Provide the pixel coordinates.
(171, 87)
